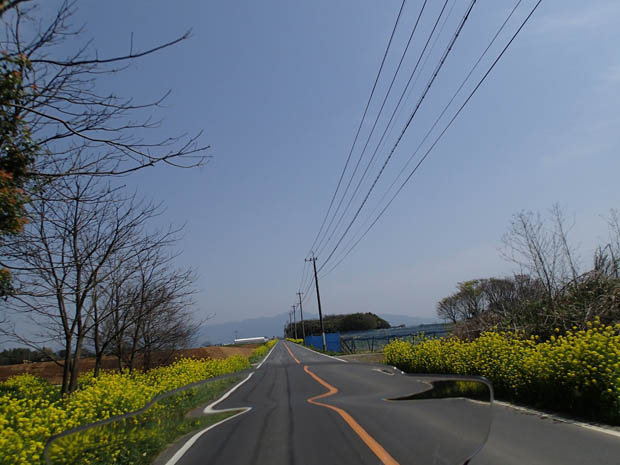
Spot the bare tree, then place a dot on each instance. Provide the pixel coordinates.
(110, 304)
(75, 124)
(542, 250)
(149, 310)
(168, 324)
(448, 310)
(607, 257)
(78, 225)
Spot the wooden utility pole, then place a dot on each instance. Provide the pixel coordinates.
(294, 320)
(301, 311)
(289, 332)
(318, 298)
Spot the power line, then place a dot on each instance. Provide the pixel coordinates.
(428, 55)
(303, 276)
(372, 130)
(331, 203)
(426, 154)
(430, 83)
(400, 100)
(429, 132)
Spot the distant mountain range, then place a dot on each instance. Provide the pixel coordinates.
(407, 320)
(225, 333)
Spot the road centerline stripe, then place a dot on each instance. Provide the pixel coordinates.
(289, 351)
(371, 442)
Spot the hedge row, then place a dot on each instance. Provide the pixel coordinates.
(577, 372)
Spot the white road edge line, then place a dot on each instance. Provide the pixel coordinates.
(581, 424)
(551, 416)
(266, 356)
(210, 409)
(320, 353)
(383, 372)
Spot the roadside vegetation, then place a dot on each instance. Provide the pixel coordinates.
(87, 267)
(577, 372)
(548, 336)
(32, 410)
(139, 439)
(263, 350)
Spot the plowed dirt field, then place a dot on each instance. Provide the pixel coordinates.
(53, 372)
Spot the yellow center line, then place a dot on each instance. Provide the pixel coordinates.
(371, 442)
(289, 351)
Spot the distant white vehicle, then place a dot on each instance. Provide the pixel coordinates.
(251, 340)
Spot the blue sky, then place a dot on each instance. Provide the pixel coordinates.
(279, 88)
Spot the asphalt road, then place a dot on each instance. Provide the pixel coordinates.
(310, 409)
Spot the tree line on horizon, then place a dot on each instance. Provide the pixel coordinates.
(338, 324)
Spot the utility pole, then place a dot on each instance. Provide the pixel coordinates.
(318, 298)
(301, 310)
(290, 322)
(294, 320)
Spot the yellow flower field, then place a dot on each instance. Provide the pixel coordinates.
(32, 410)
(262, 350)
(577, 372)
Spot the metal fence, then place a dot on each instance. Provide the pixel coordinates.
(375, 341)
(332, 341)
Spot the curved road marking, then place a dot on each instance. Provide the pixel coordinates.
(289, 351)
(210, 409)
(372, 444)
